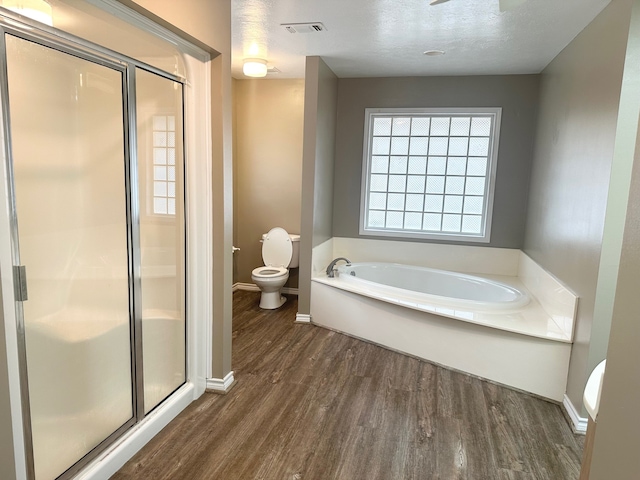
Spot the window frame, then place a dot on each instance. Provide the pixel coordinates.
(490, 179)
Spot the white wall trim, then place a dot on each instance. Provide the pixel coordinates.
(129, 15)
(207, 196)
(252, 287)
(199, 222)
(221, 385)
(579, 423)
(138, 436)
(303, 318)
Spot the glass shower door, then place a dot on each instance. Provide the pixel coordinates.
(68, 150)
(162, 242)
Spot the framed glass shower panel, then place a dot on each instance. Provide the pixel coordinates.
(68, 158)
(159, 111)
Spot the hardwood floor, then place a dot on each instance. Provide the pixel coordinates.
(313, 404)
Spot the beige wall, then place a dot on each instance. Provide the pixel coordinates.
(320, 111)
(573, 154)
(268, 164)
(202, 22)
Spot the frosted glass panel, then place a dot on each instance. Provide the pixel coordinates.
(70, 199)
(161, 197)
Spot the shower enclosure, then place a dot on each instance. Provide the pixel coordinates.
(94, 162)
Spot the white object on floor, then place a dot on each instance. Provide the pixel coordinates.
(593, 390)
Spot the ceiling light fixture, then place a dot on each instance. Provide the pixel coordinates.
(37, 10)
(437, 2)
(433, 53)
(254, 67)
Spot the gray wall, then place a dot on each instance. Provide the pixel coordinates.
(321, 91)
(516, 94)
(579, 98)
(268, 166)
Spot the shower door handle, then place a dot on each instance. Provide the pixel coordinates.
(20, 283)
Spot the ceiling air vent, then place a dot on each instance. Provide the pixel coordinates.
(312, 27)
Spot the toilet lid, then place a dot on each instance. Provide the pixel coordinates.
(277, 248)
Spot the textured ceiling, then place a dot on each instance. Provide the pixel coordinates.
(376, 38)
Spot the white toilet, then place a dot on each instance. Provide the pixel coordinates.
(280, 251)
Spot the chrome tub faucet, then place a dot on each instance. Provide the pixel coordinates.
(331, 268)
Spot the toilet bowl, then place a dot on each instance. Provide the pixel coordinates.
(278, 254)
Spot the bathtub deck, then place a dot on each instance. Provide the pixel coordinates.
(530, 320)
(313, 404)
(529, 363)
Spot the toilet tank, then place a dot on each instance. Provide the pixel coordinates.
(295, 255)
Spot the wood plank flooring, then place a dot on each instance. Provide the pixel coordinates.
(313, 404)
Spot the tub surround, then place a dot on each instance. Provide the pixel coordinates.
(455, 258)
(559, 302)
(529, 320)
(526, 348)
(322, 256)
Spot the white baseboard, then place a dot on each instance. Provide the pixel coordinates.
(303, 318)
(579, 423)
(221, 385)
(247, 287)
(252, 287)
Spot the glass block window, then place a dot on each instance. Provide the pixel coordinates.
(164, 165)
(429, 173)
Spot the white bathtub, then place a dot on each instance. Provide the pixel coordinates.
(485, 325)
(423, 286)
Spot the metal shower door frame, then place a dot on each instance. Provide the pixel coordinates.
(126, 66)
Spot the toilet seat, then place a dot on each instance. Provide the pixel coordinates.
(269, 272)
(277, 248)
